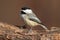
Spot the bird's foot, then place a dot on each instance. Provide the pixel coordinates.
(31, 32)
(23, 26)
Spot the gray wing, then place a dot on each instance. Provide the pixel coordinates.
(33, 17)
(35, 20)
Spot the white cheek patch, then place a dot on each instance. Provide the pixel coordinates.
(27, 11)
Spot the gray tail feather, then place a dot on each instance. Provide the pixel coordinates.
(42, 25)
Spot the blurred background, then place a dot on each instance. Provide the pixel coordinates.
(48, 11)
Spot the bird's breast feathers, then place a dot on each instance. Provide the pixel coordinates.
(31, 23)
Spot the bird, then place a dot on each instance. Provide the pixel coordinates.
(30, 18)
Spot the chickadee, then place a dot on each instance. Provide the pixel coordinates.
(30, 18)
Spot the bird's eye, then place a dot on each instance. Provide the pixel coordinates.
(23, 12)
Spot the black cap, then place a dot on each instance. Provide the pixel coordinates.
(24, 8)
